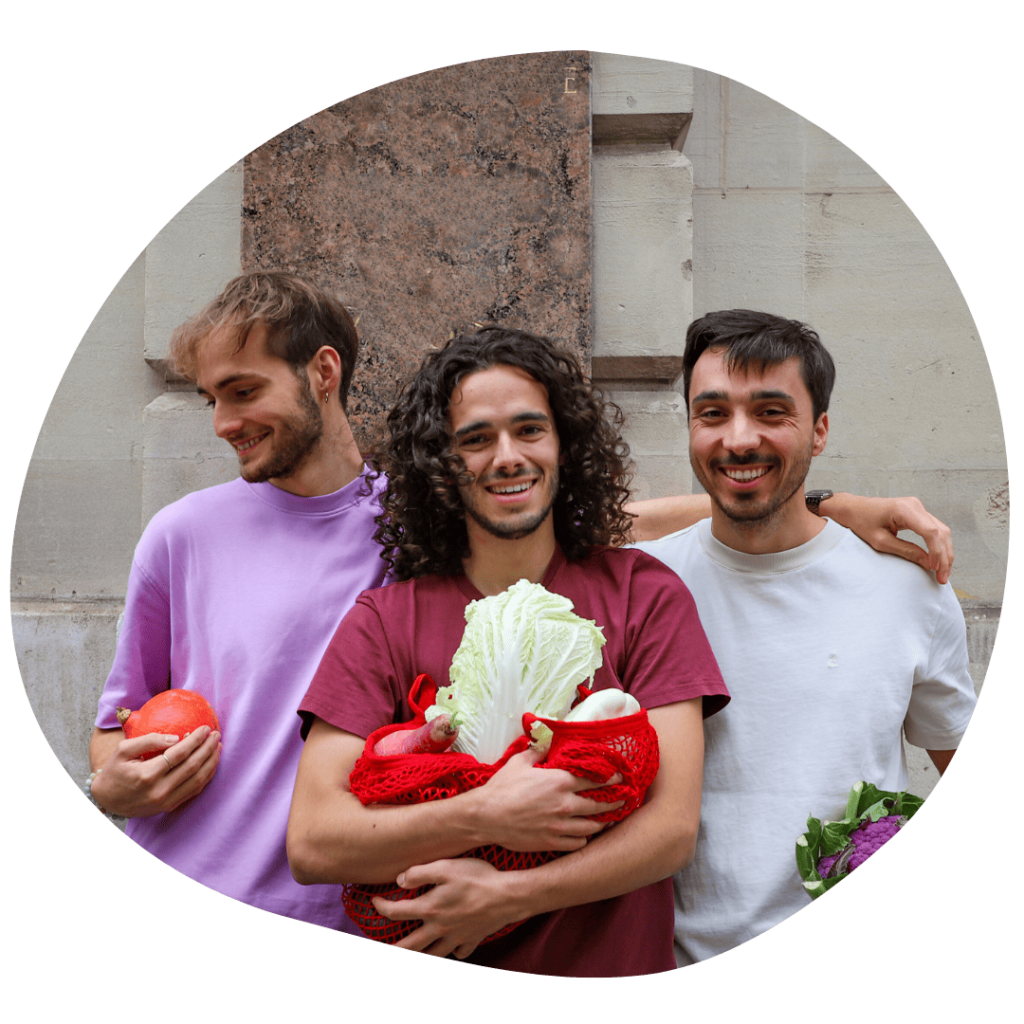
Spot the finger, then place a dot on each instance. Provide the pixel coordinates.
(423, 940)
(530, 756)
(139, 745)
(938, 558)
(399, 910)
(190, 777)
(613, 780)
(182, 751)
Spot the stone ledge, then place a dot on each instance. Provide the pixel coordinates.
(640, 129)
(637, 369)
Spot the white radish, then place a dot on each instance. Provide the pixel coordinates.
(603, 704)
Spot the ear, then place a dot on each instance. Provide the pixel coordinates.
(324, 370)
(820, 434)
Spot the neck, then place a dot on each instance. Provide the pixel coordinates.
(788, 527)
(495, 563)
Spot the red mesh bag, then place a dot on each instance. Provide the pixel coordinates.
(589, 750)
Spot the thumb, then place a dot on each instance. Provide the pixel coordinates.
(532, 755)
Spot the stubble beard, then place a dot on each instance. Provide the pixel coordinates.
(758, 516)
(517, 528)
(296, 439)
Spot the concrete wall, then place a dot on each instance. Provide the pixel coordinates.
(757, 208)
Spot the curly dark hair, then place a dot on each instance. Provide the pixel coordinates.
(422, 529)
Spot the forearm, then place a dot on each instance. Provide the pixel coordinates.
(656, 517)
(102, 745)
(332, 837)
(375, 843)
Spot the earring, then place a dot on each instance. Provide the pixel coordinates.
(327, 395)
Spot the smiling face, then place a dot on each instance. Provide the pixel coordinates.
(752, 438)
(261, 407)
(505, 433)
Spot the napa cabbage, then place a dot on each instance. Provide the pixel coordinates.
(522, 650)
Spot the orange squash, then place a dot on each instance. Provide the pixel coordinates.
(173, 712)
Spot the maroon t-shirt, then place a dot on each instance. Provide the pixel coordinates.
(655, 649)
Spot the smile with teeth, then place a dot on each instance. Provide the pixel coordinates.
(741, 475)
(511, 488)
(243, 446)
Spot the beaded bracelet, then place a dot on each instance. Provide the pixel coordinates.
(87, 786)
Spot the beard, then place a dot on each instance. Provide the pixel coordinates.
(294, 440)
(755, 513)
(516, 527)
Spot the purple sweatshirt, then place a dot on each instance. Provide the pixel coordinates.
(235, 592)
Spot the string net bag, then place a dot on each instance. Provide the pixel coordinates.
(593, 750)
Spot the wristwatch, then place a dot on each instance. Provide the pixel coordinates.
(814, 500)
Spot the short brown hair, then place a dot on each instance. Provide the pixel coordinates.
(300, 315)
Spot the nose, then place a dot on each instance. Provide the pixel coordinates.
(506, 453)
(741, 433)
(226, 420)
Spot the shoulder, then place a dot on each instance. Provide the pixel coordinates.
(194, 507)
(631, 570)
(854, 556)
(395, 596)
(620, 561)
(675, 549)
(196, 511)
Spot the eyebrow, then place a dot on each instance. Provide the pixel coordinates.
(765, 394)
(228, 381)
(521, 417)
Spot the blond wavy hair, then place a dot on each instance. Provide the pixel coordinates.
(300, 315)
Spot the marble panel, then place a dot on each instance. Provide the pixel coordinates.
(457, 196)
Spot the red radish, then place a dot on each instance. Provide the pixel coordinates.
(433, 737)
(173, 712)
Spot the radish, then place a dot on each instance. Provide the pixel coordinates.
(433, 737)
(609, 703)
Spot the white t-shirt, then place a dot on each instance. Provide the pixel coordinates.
(828, 650)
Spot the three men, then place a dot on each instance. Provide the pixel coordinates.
(828, 648)
(505, 466)
(235, 591)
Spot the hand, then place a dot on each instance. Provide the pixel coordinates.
(877, 521)
(469, 901)
(133, 788)
(528, 809)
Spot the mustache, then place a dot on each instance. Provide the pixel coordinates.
(746, 460)
(504, 478)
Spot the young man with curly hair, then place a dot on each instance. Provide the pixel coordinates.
(504, 464)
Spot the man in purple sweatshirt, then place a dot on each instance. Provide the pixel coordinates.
(235, 590)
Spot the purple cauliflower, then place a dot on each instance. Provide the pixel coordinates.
(868, 837)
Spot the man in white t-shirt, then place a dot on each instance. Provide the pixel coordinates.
(830, 649)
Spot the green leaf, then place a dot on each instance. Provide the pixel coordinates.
(834, 837)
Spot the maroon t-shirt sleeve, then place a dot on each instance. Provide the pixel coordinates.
(667, 654)
(357, 686)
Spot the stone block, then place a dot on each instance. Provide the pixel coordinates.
(642, 252)
(639, 85)
(658, 439)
